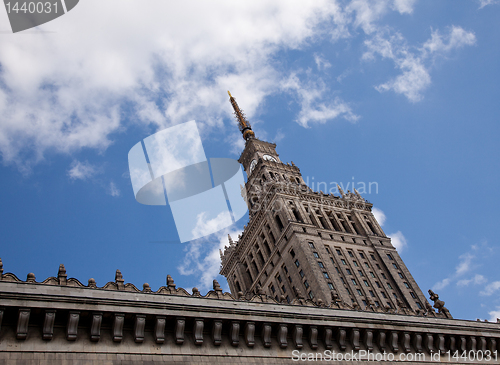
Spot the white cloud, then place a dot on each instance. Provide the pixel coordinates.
(441, 284)
(491, 288)
(465, 264)
(313, 106)
(483, 3)
(476, 280)
(379, 216)
(65, 90)
(81, 170)
(494, 315)
(414, 64)
(202, 258)
(398, 241)
(404, 6)
(321, 63)
(113, 189)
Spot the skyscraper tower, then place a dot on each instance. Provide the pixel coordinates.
(302, 244)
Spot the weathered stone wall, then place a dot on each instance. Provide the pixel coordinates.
(64, 324)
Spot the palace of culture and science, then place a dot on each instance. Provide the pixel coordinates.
(312, 277)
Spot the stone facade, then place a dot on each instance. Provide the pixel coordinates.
(61, 321)
(304, 244)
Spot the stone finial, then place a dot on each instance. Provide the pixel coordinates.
(282, 299)
(31, 278)
(259, 290)
(231, 242)
(292, 163)
(146, 288)
(61, 275)
(439, 304)
(239, 295)
(119, 280)
(170, 282)
(92, 283)
(216, 286)
(321, 303)
(221, 254)
(340, 191)
(196, 292)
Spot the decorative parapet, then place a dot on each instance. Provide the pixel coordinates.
(118, 322)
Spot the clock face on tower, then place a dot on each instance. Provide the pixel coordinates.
(252, 166)
(269, 158)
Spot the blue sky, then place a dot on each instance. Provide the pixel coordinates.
(400, 93)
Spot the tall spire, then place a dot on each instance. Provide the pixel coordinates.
(243, 124)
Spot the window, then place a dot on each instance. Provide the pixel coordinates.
(297, 263)
(336, 268)
(279, 223)
(383, 275)
(350, 253)
(289, 279)
(311, 295)
(283, 289)
(413, 295)
(389, 304)
(419, 305)
(343, 261)
(377, 303)
(400, 275)
(321, 264)
(364, 302)
(330, 285)
(378, 266)
(325, 274)
(338, 252)
(279, 278)
(394, 295)
(366, 283)
(354, 282)
(348, 271)
(273, 289)
(372, 274)
(288, 299)
(394, 266)
(378, 285)
(373, 257)
(364, 241)
(389, 286)
(360, 273)
(366, 265)
(355, 263)
(360, 293)
(348, 292)
(284, 268)
(311, 244)
(331, 259)
(371, 293)
(407, 286)
(361, 255)
(306, 284)
(354, 239)
(292, 252)
(301, 273)
(316, 255)
(342, 237)
(327, 250)
(383, 294)
(343, 281)
(388, 255)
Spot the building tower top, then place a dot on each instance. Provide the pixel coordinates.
(243, 124)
